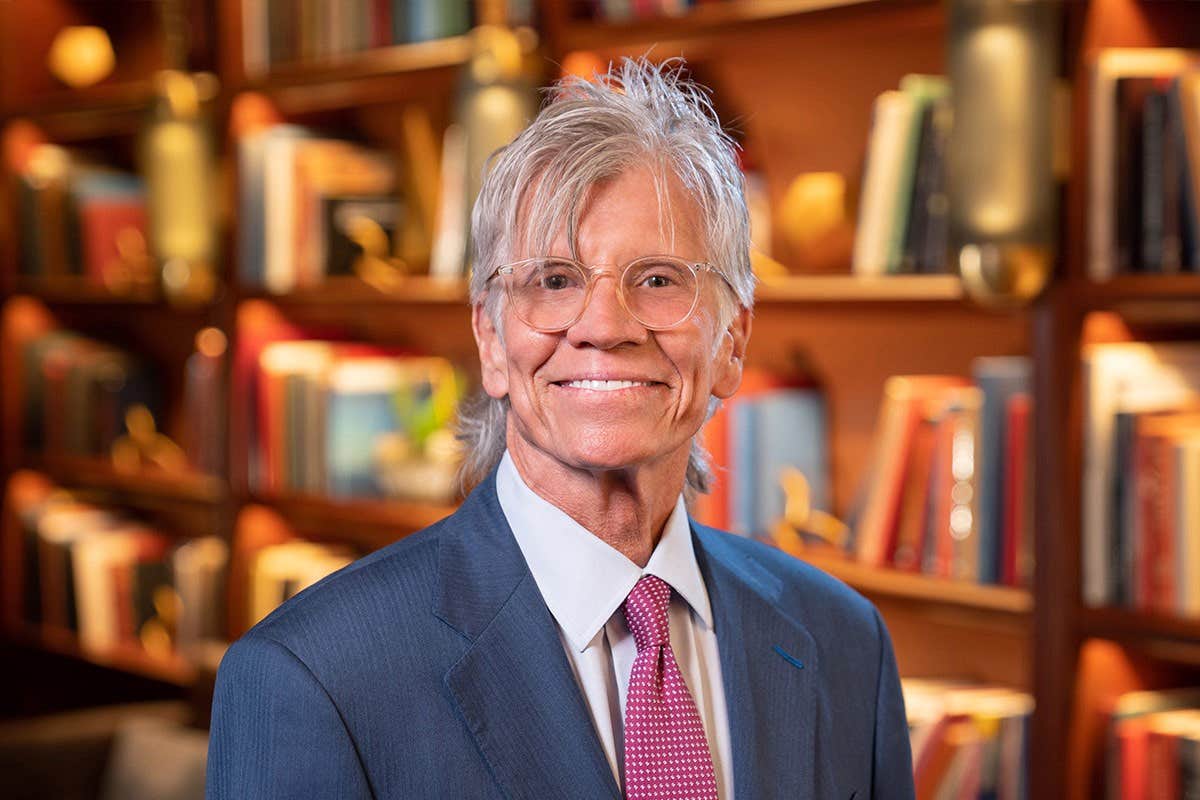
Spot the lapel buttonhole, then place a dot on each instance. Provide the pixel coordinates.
(789, 658)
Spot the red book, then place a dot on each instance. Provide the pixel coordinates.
(914, 504)
(1162, 764)
(1015, 569)
(1132, 741)
(106, 227)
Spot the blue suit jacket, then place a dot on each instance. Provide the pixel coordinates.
(432, 668)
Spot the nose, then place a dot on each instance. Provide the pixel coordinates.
(605, 323)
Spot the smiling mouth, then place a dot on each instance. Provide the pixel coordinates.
(604, 386)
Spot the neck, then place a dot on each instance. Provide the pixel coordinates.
(627, 508)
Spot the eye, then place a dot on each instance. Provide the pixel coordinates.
(657, 281)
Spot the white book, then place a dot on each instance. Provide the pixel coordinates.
(877, 214)
(95, 559)
(1132, 377)
(1111, 65)
(449, 256)
(279, 201)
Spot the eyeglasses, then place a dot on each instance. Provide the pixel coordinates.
(550, 293)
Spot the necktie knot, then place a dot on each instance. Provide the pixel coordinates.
(645, 612)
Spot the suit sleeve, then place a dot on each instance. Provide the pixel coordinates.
(275, 731)
(893, 771)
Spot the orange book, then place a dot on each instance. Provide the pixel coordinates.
(905, 400)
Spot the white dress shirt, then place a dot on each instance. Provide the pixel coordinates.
(584, 581)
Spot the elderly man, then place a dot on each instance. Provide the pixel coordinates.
(569, 632)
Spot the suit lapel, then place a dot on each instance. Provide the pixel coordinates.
(514, 686)
(769, 670)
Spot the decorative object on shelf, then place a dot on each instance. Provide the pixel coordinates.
(143, 446)
(1003, 55)
(802, 525)
(496, 100)
(813, 224)
(81, 56)
(179, 168)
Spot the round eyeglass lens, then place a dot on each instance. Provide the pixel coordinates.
(548, 293)
(659, 291)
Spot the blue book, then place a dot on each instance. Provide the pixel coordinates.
(789, 431)
(999, 378)
(743, 495)
(360, 408)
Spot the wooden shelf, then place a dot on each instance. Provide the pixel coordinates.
(75, 289)
(1167, 637)
(351, 291)
(1164, 297)
(381, 75)
(914, 586)
(126, 658)
(855, 289)
(703, 20)
(368, 523)
(106, 110)
(98, 473)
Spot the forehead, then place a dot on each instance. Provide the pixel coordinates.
(643, 205)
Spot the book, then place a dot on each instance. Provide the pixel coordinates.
(1111, 65)
(888, 143)
(999, 378)
(1121, 377)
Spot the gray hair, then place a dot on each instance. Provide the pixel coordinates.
(588, 132)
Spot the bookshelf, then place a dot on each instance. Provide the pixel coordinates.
(830, 58)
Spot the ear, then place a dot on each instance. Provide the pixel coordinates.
(731, 355)
(493, 361)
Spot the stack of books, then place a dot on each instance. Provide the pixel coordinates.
(1154, 745)
(78, 218)
(312, 207)
(948, 489)
(279, 32)
(629, 10)
(116, 581)
(1141, 476)
(968, 741)
(1144, 162)
(353, 420)
(902, 216)
(77, 390)
(765, 429)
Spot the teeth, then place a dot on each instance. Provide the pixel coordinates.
(605, 386)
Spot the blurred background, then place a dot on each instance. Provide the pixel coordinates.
(234, 335)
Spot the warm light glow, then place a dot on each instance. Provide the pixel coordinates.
(81, 56)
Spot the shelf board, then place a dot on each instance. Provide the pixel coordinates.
(379, 75)
(97, 473)
(856, 289)
(351, 291)
(914, 586)
(174, 670)
(99, 111)
(699, 21)
(1169, 637)
(1183, 286)
(76, 289)
(368, 523)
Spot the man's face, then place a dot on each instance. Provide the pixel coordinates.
(673, 373)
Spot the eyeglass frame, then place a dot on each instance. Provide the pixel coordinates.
(593, 275)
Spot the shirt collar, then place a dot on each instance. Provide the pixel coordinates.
(582, 579)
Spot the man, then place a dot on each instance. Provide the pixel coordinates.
(569, 632)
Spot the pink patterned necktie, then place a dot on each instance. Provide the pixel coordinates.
(666, 754)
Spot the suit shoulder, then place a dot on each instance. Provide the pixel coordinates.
(813, 593)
